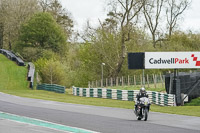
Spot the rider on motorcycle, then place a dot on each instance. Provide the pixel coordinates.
(141, 94)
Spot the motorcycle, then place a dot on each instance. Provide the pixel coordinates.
(142, 109)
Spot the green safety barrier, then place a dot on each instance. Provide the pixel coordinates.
(84, 92)
(77, 91)
(119, 94)
(159, 99)
(155, 97)
(99, 93)
(130, 95)
(165, 99)
(109, 93)
(51, 87)
(91, 92)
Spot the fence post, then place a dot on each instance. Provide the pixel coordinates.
(143, 78)
(161, 79)
(106, 82)
(100, 83)
(117, 81)
(88, 84)
(92, 84)
(148, 80)
(114, 81)
(122, 81)
(37, 77)
(134, 81)
(154, 79)
(128, 81)
(111, 80)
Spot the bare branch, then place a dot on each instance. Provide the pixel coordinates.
(150, 10)
(174, 10)
(121, 4)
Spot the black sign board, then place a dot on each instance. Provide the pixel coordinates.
(136, 60)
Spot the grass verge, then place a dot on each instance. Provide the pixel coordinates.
(13, 81)
(194, 102)
(69, 98)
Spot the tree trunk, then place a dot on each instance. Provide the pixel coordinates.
(122, 56)
(154, 40)
(9, 42)
(1, 35)
(170, 31)
(10, 45)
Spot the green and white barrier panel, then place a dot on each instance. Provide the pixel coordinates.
(52, 87)
(157, 98)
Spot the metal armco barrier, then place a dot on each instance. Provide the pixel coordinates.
(12, 57)
(52, 87)
(157, 98)
(31, 72)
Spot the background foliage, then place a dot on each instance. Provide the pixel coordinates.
(42, 32)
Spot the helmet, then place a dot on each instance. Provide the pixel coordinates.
(142, 90)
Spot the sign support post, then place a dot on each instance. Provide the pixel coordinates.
(177, 87)
(143, 77)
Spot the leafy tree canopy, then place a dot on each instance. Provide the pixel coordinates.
(42, 31)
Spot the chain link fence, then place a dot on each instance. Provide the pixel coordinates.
(153, 80)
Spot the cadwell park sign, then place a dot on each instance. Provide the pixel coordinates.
(164, 60)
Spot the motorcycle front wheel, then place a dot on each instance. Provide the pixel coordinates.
(145, 114)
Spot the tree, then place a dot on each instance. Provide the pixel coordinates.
(152, 11)
(104, 46)
(44, 4)
(13, 13)
(51, 71)
(128, 11)
(2, 22)
(59, 13)
(42, 31)
(182, 41)
(1, 35)
(174, 10)
(62, 17)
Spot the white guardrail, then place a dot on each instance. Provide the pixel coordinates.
(157, 98)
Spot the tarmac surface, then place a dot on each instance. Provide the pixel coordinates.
(8, 126)
(91, 118)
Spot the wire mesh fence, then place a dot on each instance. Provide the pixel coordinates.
(149, 80)
(189, 84)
